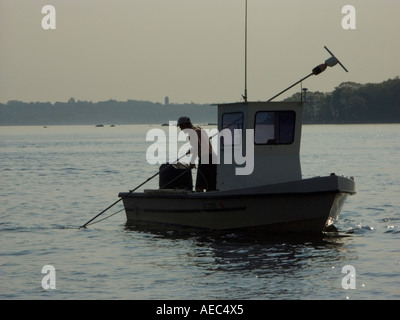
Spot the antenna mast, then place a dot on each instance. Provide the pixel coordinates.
(245, 54)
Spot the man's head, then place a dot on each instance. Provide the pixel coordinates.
(184, 122)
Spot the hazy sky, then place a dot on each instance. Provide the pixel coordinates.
(190, 50)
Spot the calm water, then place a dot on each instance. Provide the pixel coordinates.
(53, 180)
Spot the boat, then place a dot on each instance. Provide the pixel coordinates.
(271, 197)
(274, 197)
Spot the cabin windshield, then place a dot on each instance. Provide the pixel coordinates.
(274, 127)
(232, 121)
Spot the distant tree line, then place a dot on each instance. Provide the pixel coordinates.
(352, 102)
(104, 112)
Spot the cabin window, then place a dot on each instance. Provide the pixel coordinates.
(232, 121)
(274, 127)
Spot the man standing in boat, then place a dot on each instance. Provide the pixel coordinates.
(207, 168)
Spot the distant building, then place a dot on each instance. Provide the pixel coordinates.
(166, 100)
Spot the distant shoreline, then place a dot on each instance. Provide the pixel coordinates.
(349, 103)
(106, 125)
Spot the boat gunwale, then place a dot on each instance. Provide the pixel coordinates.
(250, 192)
(216, 195)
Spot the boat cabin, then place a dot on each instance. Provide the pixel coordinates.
(275, 135)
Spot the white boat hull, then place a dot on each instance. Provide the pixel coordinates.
(303, 206)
